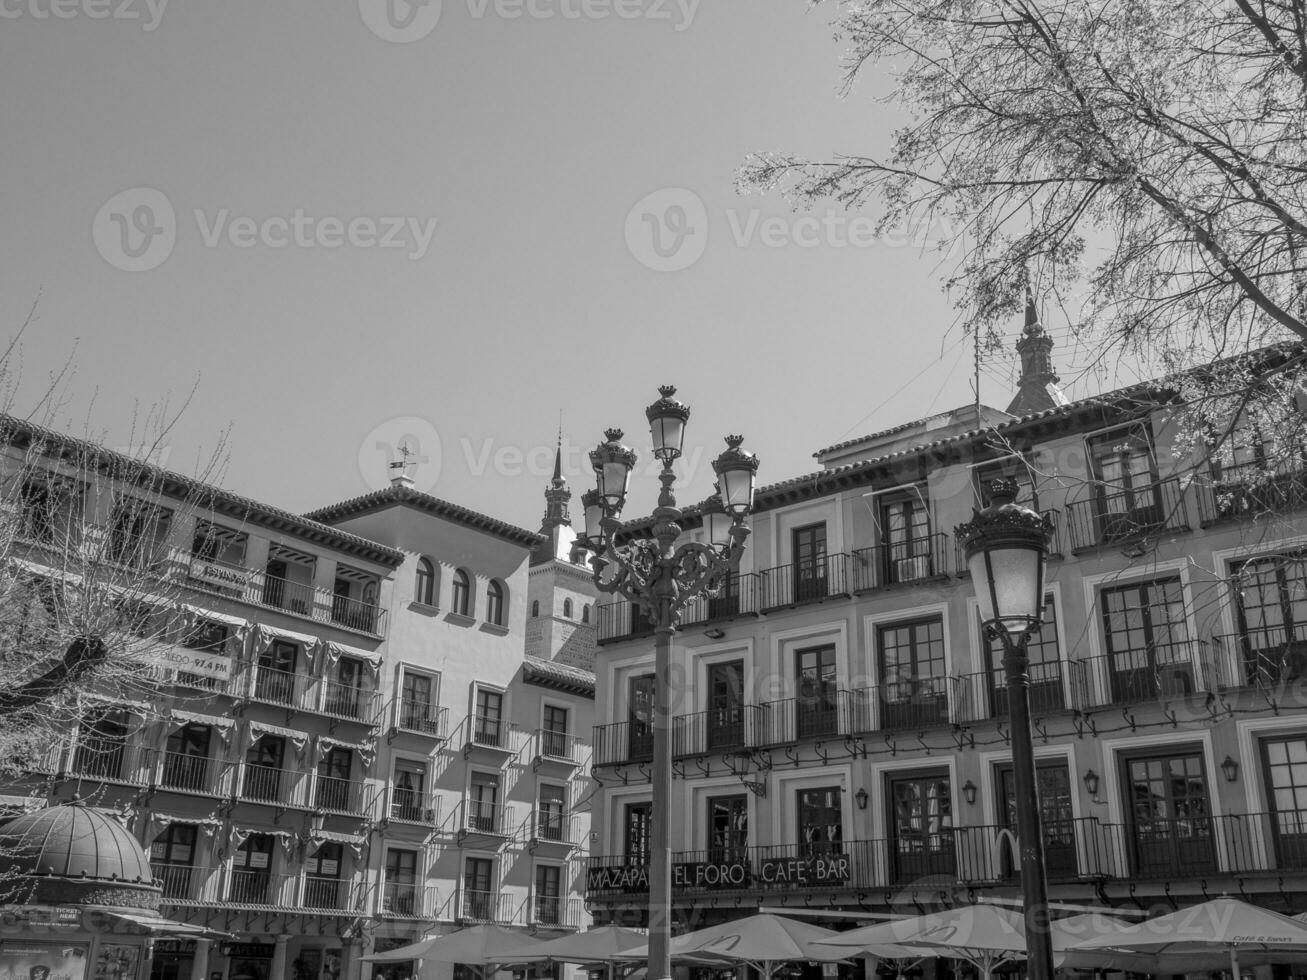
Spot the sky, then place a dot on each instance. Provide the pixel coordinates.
(332, 227)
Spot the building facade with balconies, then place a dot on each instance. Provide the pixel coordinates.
(486, 746)
(342, 746)
(839, 735)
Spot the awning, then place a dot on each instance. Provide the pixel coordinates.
(337, 650)
(167, 927)
(366, 749)
(159, 822)
(297, 738)
(121, 704)
(195, 718)
(353, 842)
(264, 635)
(199, 612)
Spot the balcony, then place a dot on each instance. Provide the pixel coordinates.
(902, 563)
(737, 597)
(567, 751)
(271, 786)
(721, 730)
(552, 912)
(257, 587)
(623, 742)
(491, 733)
(403, 900)
(484, 821)
(184, 883)
(418, 718)
(1265, 658)
(346, 701)
(183, 773)
(110, 759)
(279, 687)
(551, 828)
(620, 621)
(1112, 517)
(330, 894)
(474, 906)
(1247, 492)
(261, 888)
(798, 584)
(342, 796)
(413, 806)
(1161, 671)
(984, 695)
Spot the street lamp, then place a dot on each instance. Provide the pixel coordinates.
(661, 579)
(1005, 546)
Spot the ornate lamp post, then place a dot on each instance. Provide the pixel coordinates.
(1005, 546)
(660, 579)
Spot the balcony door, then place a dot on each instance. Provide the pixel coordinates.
(479, 889)
(819, 819)
(639, 830)
(409, 800)
(251, 871)
(728, 829)
(346, 691)
(186, 758)
(921, 825)
(1169, 815)
(275, 680)
(263, 763)
(905, 539)
(417, 706)
(817, 703)
(640, 718)
(1284, 761)
(1147, 640)
(333, 787)
(914, 689)
(547, 894)
(400, 894)
(483, 803)
(553, 813)
(322, 874)
(102, 745)
(726, 705)
(808, 548)
(490, 718)
(1126, 498)
(554, 732)
(1053, 789)
(1270, 601)
(172, 856)
(1044, 669)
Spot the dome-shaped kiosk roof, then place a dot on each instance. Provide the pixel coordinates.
(74, 854)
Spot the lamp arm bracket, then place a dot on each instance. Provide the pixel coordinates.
(1129, 718)
(1040, 729)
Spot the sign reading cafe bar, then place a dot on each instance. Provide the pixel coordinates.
(816, 870)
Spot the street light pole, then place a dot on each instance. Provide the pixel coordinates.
(660, 579)
(1006, 546)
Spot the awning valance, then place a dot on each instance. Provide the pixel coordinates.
(353, 842)
(265, 635)
(337, 650)
(366, 749)
(159, 822)
(238, 835)
(194, 613)
(141, 708)
(195, 718)
(297, 738)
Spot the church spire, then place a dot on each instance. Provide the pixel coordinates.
(1037, 387)
(558, 542)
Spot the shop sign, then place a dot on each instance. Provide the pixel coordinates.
(187, 661)
(822, 869)
(224, 575)
(174, 947)
(618, 878)
(253, 951)
(711, 874)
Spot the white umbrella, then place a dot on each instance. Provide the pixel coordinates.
(762, 941)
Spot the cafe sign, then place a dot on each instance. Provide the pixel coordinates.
(823, 869)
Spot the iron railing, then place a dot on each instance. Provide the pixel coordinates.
(1111, 516)
(803, 582)
(478, 906)
(738, 596)
(620, 620)
(420, 717)
(560, 747)
(1265, 657)
(1159, 671)
(407, 900)
(1247, 491)
(984, 694)
(623, 742)
(917, 559)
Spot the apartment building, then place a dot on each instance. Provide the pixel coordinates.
(840, 740)
(349, 750)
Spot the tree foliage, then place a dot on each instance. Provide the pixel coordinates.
(1140, 163)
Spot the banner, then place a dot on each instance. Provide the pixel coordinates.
(42, 961)
(184, 660)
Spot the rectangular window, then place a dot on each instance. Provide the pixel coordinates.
(479, 889)
(808, 547)
(640, 716)
(914, 689)
(552, 816)
(1285, 762)
(400, 891)
(1053, 789)
(1147, 638)
(1126, 497)
(207, 635)
(725, 705)
(489, 717)
(921, 826)
(483, 803)
(639, 822)
(817, 688)
(408, 797)
(905, 538)
(555, 741)
(547, 891)
(820, 821)
(1270, 600)
(186, 759)
(417, 704)
(1169, 815)
(728, 829)
(1045, 668)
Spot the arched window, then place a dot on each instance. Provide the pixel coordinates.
(535, 608)
(495, 603)
(424, 590)
(567, 608)
(585, 613)
(462, 600)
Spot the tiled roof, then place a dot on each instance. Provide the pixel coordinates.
(21, 432)
(394, 496)
(551, 674)
(985, 410)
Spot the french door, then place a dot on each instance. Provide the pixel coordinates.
(1171, 832)
(726, 705)
(921, 825)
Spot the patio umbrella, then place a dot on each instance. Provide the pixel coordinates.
(478, 946)
(986, 936)
(1221, 924)
(606, 944)
(763, 942)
